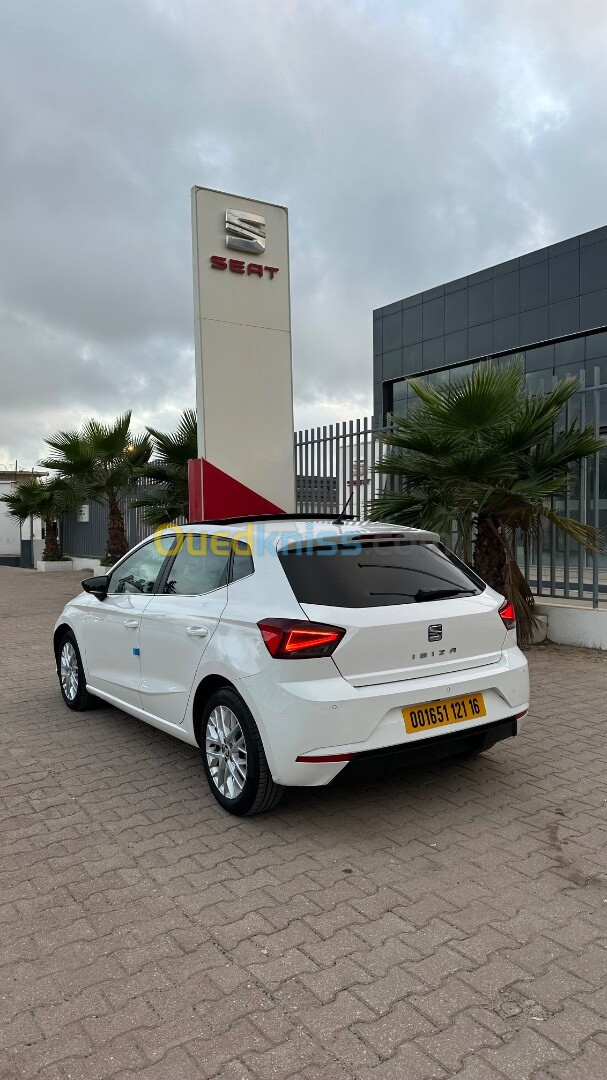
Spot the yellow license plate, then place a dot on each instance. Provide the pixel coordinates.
(437, 714)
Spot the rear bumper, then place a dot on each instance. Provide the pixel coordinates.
(371, 764)
(325, 717)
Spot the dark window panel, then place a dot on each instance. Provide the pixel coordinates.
(387, 403)
(505, 267)
(400, 390)
(594, 236)
(393, 364)
(481, 275)
(392, 331)
(564, 318)
(539, 359)
(539, 382)
(412, 301)
(456, 347)
(572, 244)
(434, 352)
(377, 337)
(433, 294)
(480, 340)
(596, 345)
(534, 325)
(534, 286)
(506, 333)
(591, 365)
(462, 373)
(533, 257)
(593, 268)
(434, 318)
(412, 359)
(480, 303)
(593, 309)
(562, 371)
(506, 295)
(413, 325)
(456, 286)
(564, 276)
(377, 368)
(391, 308)
(569, 352)
(456, 311)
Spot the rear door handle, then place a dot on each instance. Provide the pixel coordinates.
(197, 631)
(131, 623)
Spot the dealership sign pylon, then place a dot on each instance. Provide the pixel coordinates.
(244, 387)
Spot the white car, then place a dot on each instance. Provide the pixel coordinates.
(292, 649)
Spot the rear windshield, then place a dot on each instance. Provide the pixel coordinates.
(377, 574)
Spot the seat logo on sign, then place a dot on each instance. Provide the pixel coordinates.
(245, 232)
(435, 632)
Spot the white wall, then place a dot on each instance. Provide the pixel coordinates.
(10, 536)
(570, 624)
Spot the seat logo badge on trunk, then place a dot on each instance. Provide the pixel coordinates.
(435, 632)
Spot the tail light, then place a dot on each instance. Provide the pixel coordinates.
(289, 639)
(508, 615)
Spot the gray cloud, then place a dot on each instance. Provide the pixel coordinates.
(411, 142)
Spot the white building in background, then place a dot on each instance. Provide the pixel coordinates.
(10, 529)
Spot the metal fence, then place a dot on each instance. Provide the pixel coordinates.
(335, 468)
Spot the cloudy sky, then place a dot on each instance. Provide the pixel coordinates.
(412, 140)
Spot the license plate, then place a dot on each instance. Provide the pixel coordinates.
(437, 714)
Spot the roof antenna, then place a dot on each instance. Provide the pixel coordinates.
(339, 520)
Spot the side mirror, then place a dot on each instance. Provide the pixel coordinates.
(97, 586)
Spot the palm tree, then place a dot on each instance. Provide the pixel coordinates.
(102, 460)
(483, 456)
(46, 500)
(168, 472)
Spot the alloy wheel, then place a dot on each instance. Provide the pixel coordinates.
(68, 672)
(226, 752)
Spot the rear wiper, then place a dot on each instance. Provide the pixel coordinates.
(391, 593)
(381, 566)
(441, 594)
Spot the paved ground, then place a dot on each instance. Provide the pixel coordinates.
(451, 922)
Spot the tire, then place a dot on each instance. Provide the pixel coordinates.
(233, 757)
(72, 681)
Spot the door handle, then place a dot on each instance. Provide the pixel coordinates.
(197, 631)
(131, 623)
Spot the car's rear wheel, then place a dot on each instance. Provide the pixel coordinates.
(71, 675)
(233, 756)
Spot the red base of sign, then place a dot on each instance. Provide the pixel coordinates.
(215, 494)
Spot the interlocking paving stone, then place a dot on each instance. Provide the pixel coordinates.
(449, 922)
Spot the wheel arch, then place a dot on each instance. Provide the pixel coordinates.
(206, 687)
(58, 635)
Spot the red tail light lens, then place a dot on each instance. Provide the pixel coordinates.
(289, 639)
(508, 615)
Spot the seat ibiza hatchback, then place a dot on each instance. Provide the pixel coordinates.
(292, 649)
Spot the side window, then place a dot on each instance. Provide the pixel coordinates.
(138, 573)
(200, 566)
(242, 561)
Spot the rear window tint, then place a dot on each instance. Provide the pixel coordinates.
(377, 575)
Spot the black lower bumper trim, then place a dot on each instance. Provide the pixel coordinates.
(371, 764)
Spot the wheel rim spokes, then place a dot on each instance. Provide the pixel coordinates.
(226, 752)
(68, 671)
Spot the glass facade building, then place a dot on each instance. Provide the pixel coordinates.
(548, 308)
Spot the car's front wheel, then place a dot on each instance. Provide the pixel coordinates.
(233, 756)
(71, 675)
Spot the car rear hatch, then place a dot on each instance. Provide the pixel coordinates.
(410, 608)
